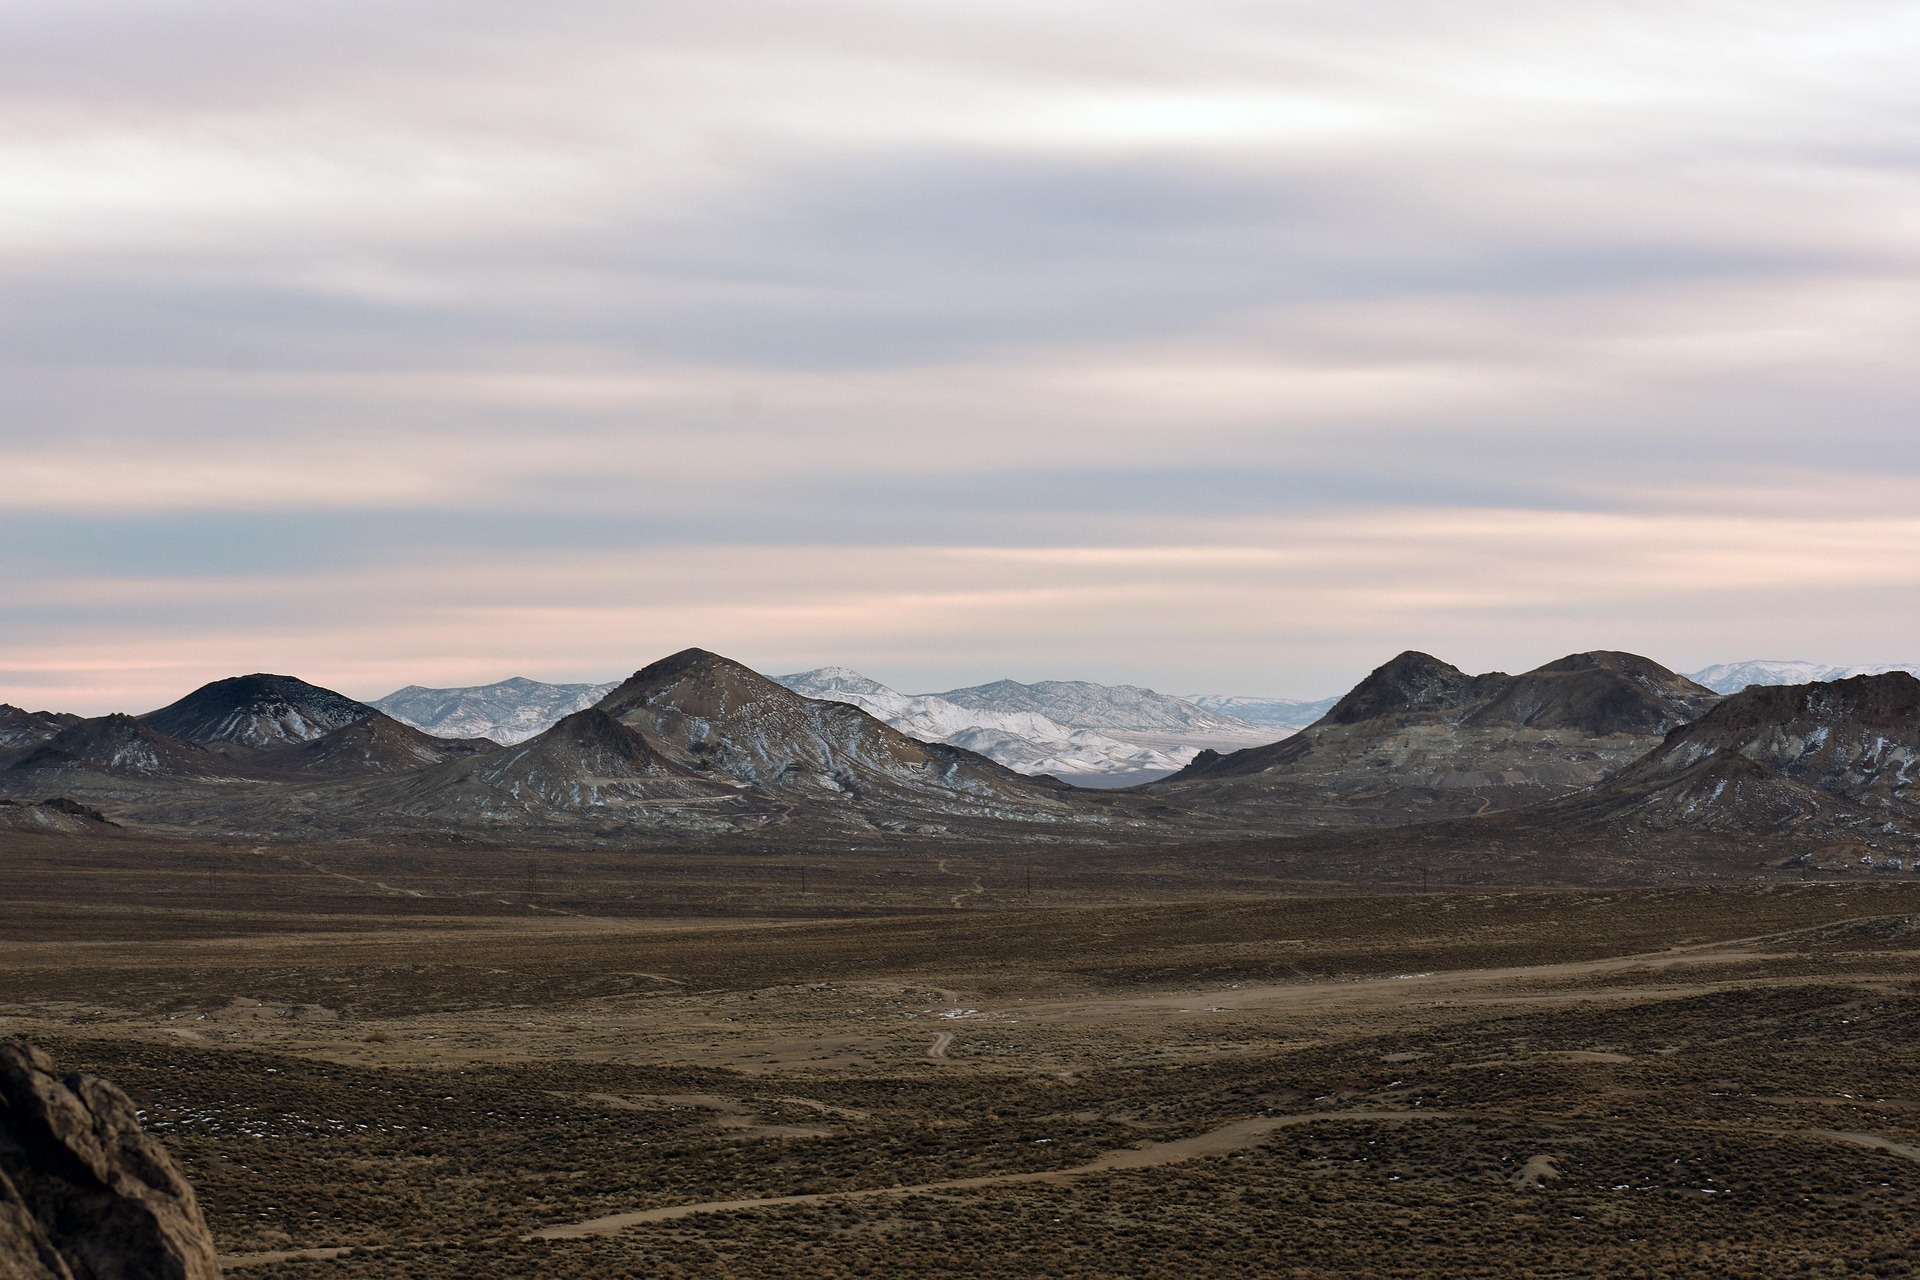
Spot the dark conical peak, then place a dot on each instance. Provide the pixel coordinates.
(259, 710)
(711, 673)
(1411, 682)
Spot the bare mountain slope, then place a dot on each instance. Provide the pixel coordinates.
(109, 749)
(373, 744)
(587, 764)
(1817, 774)
(21, 728)
(1857, 738)
(1421, 738)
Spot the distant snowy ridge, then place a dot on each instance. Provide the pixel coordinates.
(509, 711)
(1285, 713)
(1732, 677)
(1103, 708)
(1020, 738)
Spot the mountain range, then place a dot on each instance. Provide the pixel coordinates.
(1602, 756)
(1088, 734)
(1732, 677)
(1085, 733)
(508, 711)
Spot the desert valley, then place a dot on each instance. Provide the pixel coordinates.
(1591, 970)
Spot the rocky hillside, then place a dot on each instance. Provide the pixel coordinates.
(20, 728)
(115, 747)
(85, 1194)
(721, 720)
(1420, 738)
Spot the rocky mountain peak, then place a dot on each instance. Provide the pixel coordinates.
(1409, 683)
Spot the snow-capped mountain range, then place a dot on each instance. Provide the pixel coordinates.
(508, 711)
(1083, 732)
(1072, 729)
(1284, 713)
(1732, 677)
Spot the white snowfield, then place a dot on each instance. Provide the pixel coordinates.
(1144, 733)
(1732, 677)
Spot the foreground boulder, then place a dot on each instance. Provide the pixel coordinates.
(85, 1194)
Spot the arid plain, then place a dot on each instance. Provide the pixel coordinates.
(984, 1064)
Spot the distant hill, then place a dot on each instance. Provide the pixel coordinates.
(1106, 708)
(1282, 713)
(507, 711)
(1732, 677)
(1419, 737)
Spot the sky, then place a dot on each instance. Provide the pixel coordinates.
(1216, 347)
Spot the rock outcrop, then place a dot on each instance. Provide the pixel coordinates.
(85, 1194)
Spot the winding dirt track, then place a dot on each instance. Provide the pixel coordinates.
(941, 1042)
(1228, 1138)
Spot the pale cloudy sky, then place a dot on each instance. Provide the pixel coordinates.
(1225, 347)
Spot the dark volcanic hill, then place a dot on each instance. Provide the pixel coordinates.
(1857, 738)
(257, 711)
(721, 720)
(21, 728)
(374, 744)
(1420, 738)
(587, 764)
(112, 747)
(1779, 776)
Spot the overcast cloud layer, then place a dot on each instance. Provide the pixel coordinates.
(1222, 346)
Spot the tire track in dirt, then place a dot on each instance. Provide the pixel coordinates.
(1222, 1141)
